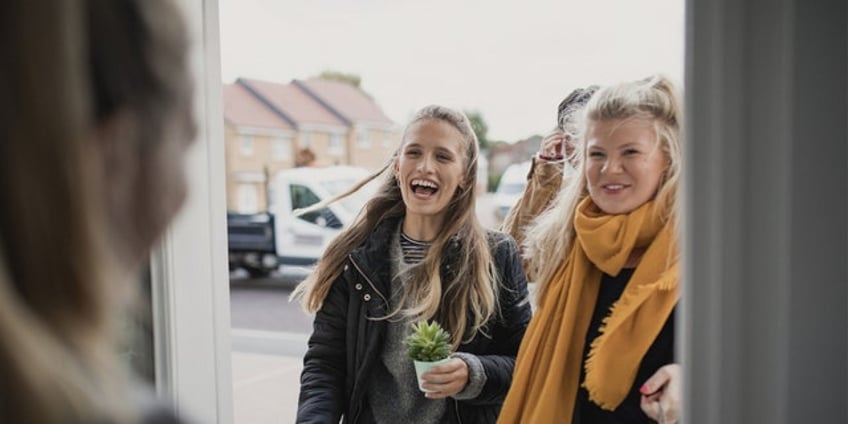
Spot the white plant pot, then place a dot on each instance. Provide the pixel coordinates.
(421, 367)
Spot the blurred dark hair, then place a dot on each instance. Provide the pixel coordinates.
(570, 104)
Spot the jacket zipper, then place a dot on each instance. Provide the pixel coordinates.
(373, 287)
(370, 283)
(456, 408)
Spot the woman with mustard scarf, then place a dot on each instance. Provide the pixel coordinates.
(600, 347)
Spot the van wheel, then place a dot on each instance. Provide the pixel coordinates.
(257, 272)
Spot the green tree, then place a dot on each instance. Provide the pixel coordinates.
(480, 127)
(351, 79)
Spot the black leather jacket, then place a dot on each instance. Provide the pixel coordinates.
(345, 345)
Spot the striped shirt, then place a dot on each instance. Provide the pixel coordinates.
(413, 250)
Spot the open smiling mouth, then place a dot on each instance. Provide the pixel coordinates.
(614, 188)
(424, 188)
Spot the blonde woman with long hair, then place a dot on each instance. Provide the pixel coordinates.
(600, 348)
(416, 252)
(94, 120)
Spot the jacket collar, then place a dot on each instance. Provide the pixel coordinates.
(373, 255)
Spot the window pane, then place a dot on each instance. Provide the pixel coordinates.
(281, 149)
(247, 145)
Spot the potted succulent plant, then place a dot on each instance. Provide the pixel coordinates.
(428, 345)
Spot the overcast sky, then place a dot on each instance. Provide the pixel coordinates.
(511, 60)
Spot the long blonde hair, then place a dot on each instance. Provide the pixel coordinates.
(655, 99)
(70, 66)
(473, 290)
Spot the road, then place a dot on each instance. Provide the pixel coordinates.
(264, 305)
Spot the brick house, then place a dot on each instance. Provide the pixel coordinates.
(267, 124)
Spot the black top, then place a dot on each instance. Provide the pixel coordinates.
(659, 354)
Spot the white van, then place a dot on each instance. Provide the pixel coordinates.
(301, 240)
(260, 243)
(511, 186)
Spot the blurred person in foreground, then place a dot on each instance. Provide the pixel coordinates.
(600, 347)
(416, 252)
(95, 121)
(551, 166)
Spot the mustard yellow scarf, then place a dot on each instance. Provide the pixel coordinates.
(547, 370)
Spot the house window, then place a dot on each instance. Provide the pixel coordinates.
(307, 140)
(248, 198)
(281, 149)
(362, 140)
(336, 147)
(247, 145)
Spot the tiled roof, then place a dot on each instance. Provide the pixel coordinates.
(292, 102)
(243, 109)
(346, 100)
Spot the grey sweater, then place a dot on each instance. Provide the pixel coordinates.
(393, 394)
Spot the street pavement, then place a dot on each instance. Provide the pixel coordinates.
(265, 388)
(268, 337)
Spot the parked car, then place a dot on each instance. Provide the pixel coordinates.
(261, 243)
(510, 187)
